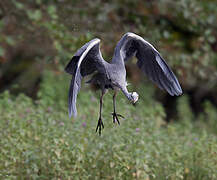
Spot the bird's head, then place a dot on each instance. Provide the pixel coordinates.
(134, 97)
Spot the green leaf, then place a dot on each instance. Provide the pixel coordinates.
(10, 40)
(18, 5)
(34, 15)
(52, 11)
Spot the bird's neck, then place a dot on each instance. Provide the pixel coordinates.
(126, 93)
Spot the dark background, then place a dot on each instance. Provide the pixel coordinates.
(36, 35)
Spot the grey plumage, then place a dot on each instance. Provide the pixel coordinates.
(88, 60)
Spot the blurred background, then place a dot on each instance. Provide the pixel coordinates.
(37, 35)
(38, 38)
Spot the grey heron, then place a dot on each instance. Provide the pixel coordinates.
(88, 60)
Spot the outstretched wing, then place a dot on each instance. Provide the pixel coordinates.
(86, 60)
(149, 61)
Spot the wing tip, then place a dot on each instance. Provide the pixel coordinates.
(178, 92)
(74, 114)
(178, 88)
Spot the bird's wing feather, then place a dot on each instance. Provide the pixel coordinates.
(86, 60)
(149, 61)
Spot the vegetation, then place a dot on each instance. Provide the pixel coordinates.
(160, 138)
(39, 141)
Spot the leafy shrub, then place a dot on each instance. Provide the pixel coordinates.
(39, 141)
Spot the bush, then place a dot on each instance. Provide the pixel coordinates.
(39, 141)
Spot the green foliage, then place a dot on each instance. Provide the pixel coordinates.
(39, 141)
(183, 31)
(2, 51)
(34, 15)
(37, 138)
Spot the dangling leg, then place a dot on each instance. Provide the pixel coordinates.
(100, 123)
(115, 115)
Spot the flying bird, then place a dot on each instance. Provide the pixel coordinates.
(88, 60)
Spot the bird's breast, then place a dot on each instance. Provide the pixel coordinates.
(110, 85)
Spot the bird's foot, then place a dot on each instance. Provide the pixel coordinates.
(99, 126)
(115, 117)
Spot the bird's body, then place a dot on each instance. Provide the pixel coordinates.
(88, 60)
(110, 79)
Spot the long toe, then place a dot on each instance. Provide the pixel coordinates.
(120, 116)
(99, 126)
(102, 125)
(115, 118)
